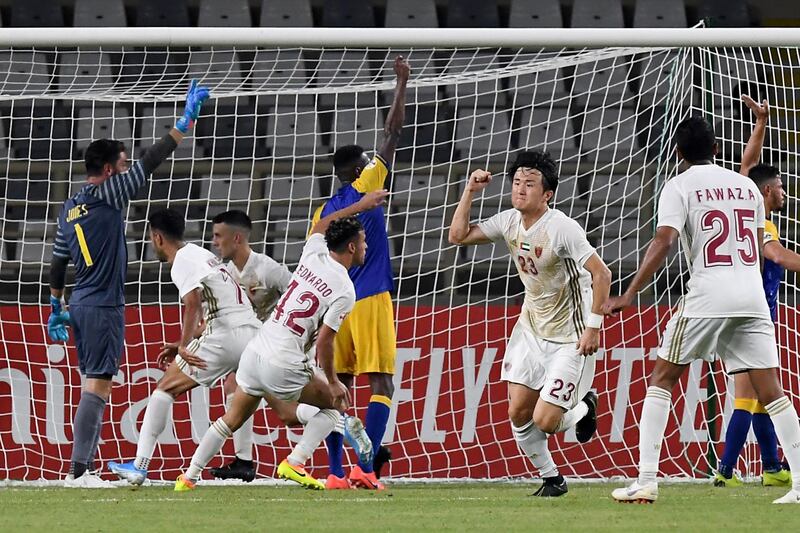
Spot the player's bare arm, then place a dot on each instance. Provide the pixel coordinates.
(370, 200)
(393, 126)
(752, 152)
(653, 259)
(778, 254)
(461, 231)
(339, 393)
(601, 286)
(192, 315)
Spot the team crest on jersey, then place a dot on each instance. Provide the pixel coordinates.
(538, 251)
(513, 242)
(525, 247)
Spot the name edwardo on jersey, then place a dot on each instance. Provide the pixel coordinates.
(724, 193)
(313, 279)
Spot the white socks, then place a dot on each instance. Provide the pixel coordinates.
(155, 420)
(657, 402)
(305, 412)
(533, 443)
(571, 417)
(787, 428)
(315, 431)
(212, 442)
(243, 437)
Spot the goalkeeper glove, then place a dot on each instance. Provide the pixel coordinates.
(194, 101)
(58, 321)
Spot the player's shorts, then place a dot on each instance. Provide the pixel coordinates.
(221, 348)
(258, 376)
(366, 341)
(557, 370)
(99, 338)
(741, 342)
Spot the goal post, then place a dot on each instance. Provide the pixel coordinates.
(604, 103)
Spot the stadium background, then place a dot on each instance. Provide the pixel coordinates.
(41, 162)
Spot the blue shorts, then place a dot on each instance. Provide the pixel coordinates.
(99, 338)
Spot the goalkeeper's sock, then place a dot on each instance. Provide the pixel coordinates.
(335, 445)
(377, 417)
(533, 443)
(655, 411)
(735, 436)
(571, 417)
(767, 441)
(787, 427)
(242, 437)
(85, 428)
(209, 446)
(155, 420)
(314, 432)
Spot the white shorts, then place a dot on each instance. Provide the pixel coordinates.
(220, 348)
(557, 370)
(258, 376)
(741, 342)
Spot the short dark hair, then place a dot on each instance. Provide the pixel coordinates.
(542, 162)
(234, 217)
(341, 232)
(169, 223)
(100, 153)
(761, 174)
(346, 156)
(695, 139)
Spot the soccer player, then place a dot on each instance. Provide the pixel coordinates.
(546, 363)
(210, 297)
(278, 362)
(265, 280)
(747, 408)
(91, 233)
(719, 214)
(367, 341)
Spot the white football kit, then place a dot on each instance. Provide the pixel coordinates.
(229, 317)
(718, 213)
(541, 353)
(264, 279)
(279, 360)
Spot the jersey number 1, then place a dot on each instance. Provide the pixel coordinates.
(716, 219)
(310, 304)
(87, 257)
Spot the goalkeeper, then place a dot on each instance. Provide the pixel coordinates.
(91, 233)
(366, 342)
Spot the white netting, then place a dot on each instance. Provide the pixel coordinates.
(263, 145)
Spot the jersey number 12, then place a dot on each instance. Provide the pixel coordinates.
(309, 302)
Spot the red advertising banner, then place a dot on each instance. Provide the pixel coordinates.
(449, 418)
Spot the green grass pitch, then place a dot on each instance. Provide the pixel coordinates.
(404, 507)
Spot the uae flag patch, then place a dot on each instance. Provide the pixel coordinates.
(525, 246)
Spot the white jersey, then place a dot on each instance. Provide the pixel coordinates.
(319, 292)
(549, 257)
(264, 280)
(717, 213)
(224, 301)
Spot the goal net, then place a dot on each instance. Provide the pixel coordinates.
(263, 145)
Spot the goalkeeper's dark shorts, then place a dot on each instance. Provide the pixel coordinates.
(99, 337)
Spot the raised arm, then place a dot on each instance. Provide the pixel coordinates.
(752, 152)
(119, 189)
(369, 201)
(653, 259)
(461, 231)
(778, 254)
(397, 113)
